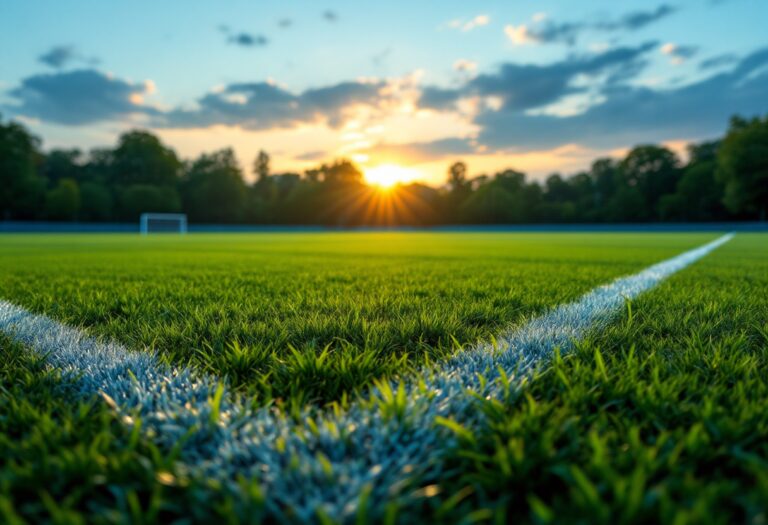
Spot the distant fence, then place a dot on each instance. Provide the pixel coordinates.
(114, 227)
(122, 227)
(67, 227)
(623, 227)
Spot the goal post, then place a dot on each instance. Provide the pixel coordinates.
(163, 223)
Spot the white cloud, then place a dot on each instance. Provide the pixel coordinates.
(570, 105)
(678, 54)
(668, 48)
(235, 98)
(149, 86)
(478, 21)
(469, 25)
(465, 66)
(519, 35)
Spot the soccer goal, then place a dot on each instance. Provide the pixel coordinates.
(163, 223)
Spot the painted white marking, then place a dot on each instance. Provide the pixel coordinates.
(328, 465)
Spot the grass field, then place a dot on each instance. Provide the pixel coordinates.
(308, 317)
(658, 417)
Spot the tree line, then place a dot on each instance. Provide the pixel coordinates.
(725, 179)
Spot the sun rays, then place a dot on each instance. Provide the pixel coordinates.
(386, 176)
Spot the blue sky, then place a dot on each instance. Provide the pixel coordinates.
(540, 86)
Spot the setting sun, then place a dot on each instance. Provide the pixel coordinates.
(387, 175)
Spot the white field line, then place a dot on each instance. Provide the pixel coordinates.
(302, 467)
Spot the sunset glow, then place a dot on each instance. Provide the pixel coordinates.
(387, 175)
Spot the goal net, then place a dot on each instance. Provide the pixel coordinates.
(163, 223)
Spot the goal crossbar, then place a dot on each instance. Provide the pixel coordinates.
(147, 218)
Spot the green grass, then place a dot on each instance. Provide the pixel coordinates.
(67, 460)
(662, 417)
(310, 317)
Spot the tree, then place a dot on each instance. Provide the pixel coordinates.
(340, 196)
(558, 196)
(605, 180)
(457, 177)
(742, 167)
(490, 204)
(698, 194)
(313, 175)
(98, 167)
(264, 185)
(62, 164)
(96, 202)
(459, 190)
(285, 183)
(653, 171)
(261, 166)
(136, 199)
(627, 205)
(584, 205)
(557, 189)
(419, 205)
(21, 189)
(140, 158)
(722, 179)
(507, 199)
(213, 189)
(63, 202)
(342, 172)
(477, 181)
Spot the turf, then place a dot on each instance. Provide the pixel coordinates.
(659, 418)
(311, 317)
(68, 460)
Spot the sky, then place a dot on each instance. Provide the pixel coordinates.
(541, 87)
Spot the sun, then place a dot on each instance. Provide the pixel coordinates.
(387, 175)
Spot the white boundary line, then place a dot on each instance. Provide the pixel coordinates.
(302, 467)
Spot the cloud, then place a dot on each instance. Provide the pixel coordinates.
(86, 96)
(469, 25)
(330, 16)
(263, 105)
(617, 112)
(478, 21)
(465, 66)
(638, 19)
(678, 54)
(418, 152)
(285, 23)
(79, 97)
(546, 33)
(312, 156)
(631, 114)
(523, 87)
(725, 59)
(59, 56)
(248, 40)
(438, 98)
(543, 31)
(242, 38)
(550, 32)
(519, 35)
